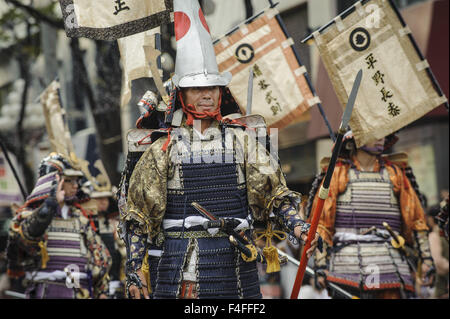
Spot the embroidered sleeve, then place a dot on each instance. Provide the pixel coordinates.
(34, 227)
(267, 190)
(26, 239)
(121, 248)
(20, 250)
(289, 218)
(135, 242)
(146, 202)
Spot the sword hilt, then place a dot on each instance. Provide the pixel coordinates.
(227, 226)
(391, 232)
(240, 246)
(214, 224)
(397, 241)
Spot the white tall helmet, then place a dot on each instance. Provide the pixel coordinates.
(196, 63)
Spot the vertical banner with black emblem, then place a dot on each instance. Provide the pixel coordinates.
(113, 19)
(281, 93)
(398, 86)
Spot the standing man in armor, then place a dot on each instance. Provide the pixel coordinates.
(372, 209)
(194, 160)
(106, 222)
(53, 240)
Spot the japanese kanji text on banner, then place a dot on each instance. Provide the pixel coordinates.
(281, 92)
(113, 19)
(396, 88)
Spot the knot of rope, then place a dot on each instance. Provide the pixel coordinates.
(270, 251)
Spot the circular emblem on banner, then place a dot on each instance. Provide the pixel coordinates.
(360, 39)
(245, 53)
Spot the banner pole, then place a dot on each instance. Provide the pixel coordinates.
(342, 16)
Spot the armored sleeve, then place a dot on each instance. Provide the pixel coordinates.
(267, 190)
(34, 227)
(135, 242)
(146, 199)
(289, 218)
(26, 236)
(422, 245)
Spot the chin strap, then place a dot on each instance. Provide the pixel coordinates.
(192, 113)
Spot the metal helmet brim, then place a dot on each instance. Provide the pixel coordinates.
(72, 173)
(202, 80)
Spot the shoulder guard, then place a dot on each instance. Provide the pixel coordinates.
(138, 140)
(157, 134)
(400, 159)
(254, 121)
(325, 162)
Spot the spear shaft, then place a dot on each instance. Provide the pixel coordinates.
(324, 189)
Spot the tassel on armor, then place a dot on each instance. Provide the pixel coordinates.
(270, 252)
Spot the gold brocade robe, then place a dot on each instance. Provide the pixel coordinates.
(266, 185)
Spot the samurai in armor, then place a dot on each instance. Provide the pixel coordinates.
(373, 223)
(106, 221)
(53, 240)
(151, 119)
(193, 159)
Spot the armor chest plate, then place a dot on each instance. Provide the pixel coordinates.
(368, 201)
(64, 238)
(65, 244)
(367, 261)
(213, 176)
(209, 174)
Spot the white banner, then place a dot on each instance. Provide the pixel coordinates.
(113, 19)
(396, 88)
(134, 62)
